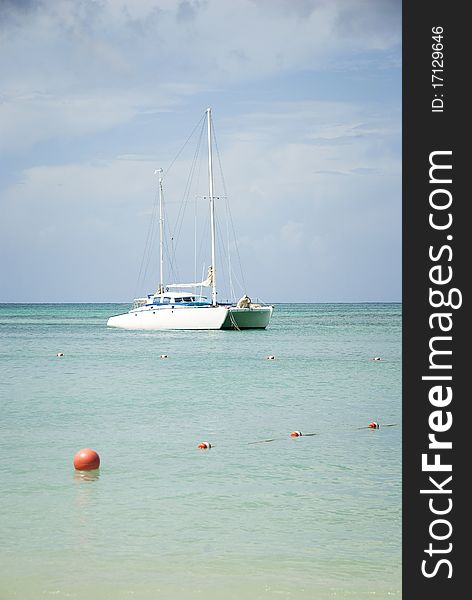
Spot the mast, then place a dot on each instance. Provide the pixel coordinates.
(212, 209)
(160, 289)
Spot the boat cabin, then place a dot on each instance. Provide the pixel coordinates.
(171, 298)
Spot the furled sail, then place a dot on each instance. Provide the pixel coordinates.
(207, 283)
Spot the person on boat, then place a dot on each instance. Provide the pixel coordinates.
(244, 302)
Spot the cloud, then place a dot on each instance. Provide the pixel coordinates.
(281, 150)
(292, 234)
(97, 94)
(124, 55)
(29, 118)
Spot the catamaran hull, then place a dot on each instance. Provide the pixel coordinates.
(248, 318)
(171, 318)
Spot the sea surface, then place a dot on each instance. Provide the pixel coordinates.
(315, 517)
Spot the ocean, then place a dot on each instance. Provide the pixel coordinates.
(314, 517)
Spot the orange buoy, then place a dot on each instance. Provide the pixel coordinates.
(204, 445)
(296, 434)
(374, 425)
(86, 460)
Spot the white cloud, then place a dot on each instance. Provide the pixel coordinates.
(92, 92)
(80, 65)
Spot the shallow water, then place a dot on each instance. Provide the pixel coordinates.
(315, 517)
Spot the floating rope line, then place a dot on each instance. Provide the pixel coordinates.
(297, 434)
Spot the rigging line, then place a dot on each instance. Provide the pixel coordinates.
(201, 224)
(172, 266)
(196, 213)
(202, 119)
(184, 202)
(219, 161)
(227, 255)
(186, 194)
(228, 210)
(167, 236)
(236, 247)
(230, 269)
(221, 247)
(200, 255)
(204, 236)
(152, 239)
(204, 224)
(201, 279)
(184, 199)
(232, 273)
(147, 246)
(150, 253)
(240, 286)
(195, 241)
(170, 252)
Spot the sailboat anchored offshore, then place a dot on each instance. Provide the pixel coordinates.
(174, 306)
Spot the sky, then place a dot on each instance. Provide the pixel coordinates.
(95, 95)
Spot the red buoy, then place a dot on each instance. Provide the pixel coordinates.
(204, 445)
(86, 460)
(374, 425)
(296, 434)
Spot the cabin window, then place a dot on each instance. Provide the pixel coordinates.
(188, 299)
(166, 300)
(178, 300)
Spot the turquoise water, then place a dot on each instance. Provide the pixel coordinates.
(316, 517)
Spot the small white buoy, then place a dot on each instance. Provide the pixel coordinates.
(271, 357)
(164, 356)
(376, 358)
(60, 354)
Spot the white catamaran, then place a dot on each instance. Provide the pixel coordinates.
(182, 309)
